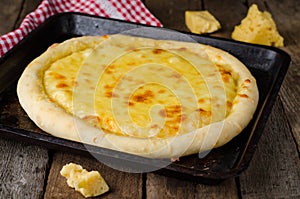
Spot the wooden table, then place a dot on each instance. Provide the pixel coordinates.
(28, 171)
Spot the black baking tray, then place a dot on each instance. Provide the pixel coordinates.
(268, 65)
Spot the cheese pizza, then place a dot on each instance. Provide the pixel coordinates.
(153, 98)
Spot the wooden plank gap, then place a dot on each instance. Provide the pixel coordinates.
(144, 185)
(238, 187)
(289, 126)
(202, 5)
(246, 3)
(274, 170)
(27, 7)
(19, 15)
(47, 171)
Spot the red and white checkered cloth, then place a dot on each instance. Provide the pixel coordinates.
(129, 10)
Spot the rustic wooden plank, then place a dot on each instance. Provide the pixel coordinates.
(290, 96)
(22, 170)
(290, 92)
(274, 171)
(122, 185)
(164, 187)
(28, 6)
(171, 13)
(9, 13)
(227, 189)
(167, 187)
(229, 13)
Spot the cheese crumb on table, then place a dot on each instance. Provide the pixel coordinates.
(258, 28)
(201, 22)
(89, 184)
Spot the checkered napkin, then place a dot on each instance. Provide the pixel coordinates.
(129, 10)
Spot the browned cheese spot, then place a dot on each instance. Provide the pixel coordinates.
(57, 76)
(105, 36)
(110, 94)
(205, 116)
(226, 74)
(200, 110)
(62, 85)
(144, 97)
(247, 81)
(226, 78)
(229, 104)
(110, 69)
(218, 57)
(108, 121)
(201, 100)
(51, 100)
(130, 104)
(132, 63)
(243, 95)
(162, 113)
(157, 51)
(154, 126)
(161, 91)
(203, 112)
(175, 128)
(92, 119)
(176, 75)
(173, 110)
(94, 139)
(182, 49)
(108, 87)
(74, 83)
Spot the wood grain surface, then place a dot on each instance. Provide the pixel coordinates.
(23, 170)
(171, 13)
(274, 171)
(10, 11)
(28, 171)
(122, 185)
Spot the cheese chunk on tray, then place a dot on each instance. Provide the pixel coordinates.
(201, 22)
(258, 28)
(89, 184)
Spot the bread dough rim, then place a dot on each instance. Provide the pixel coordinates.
(44, 113)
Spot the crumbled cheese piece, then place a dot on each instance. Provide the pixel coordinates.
(201, 22)
(89, 184)
(258, 28)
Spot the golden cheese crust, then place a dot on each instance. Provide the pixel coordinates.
(148, 97)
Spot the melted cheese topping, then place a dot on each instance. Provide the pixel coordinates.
(142, 91)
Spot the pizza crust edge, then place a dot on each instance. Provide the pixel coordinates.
(55, 120)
